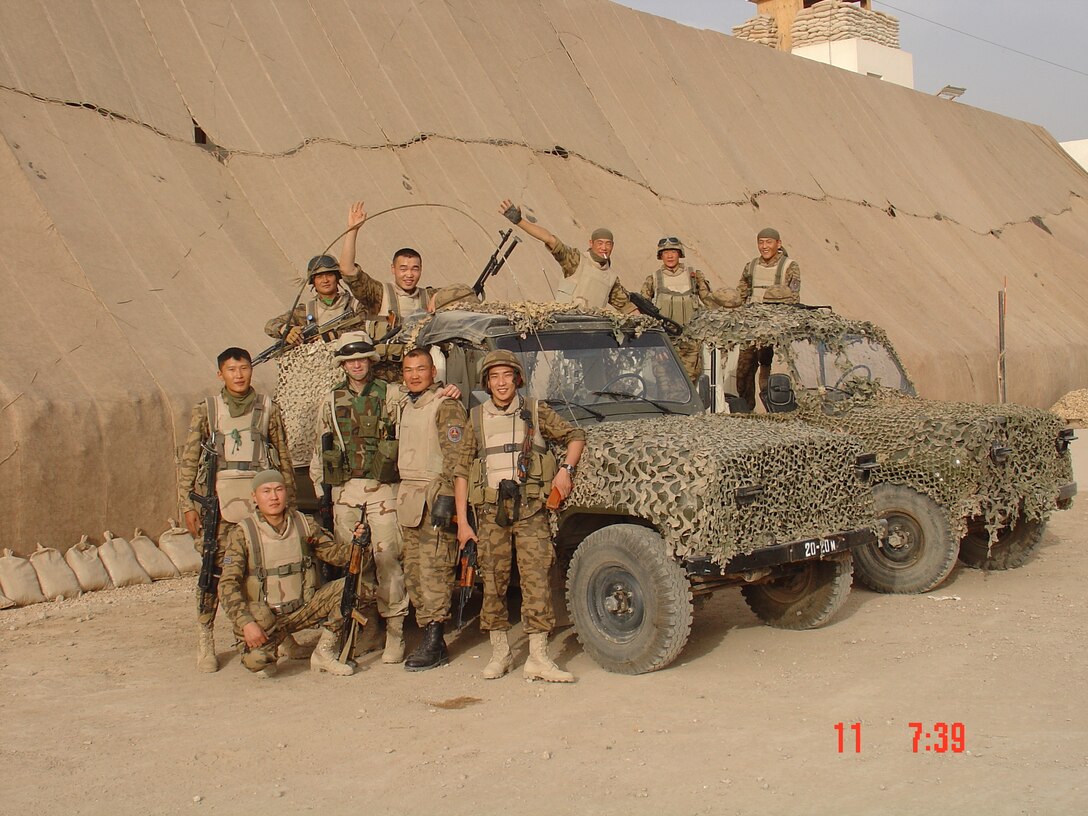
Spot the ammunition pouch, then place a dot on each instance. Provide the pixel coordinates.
(335, 467)
(509, 496)
(383, 465)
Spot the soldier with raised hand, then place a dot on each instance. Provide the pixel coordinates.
(355, 414)
(269, 587)
(678, 291)
(770, 277)
(249, 437)
(331, 302)
(506, 472)
(588, 279)
(430, 426)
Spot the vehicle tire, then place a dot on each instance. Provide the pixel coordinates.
(804, 598)
(918, 552)
(1012, 549)
(630, 600)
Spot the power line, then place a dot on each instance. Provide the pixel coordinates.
(983, 39)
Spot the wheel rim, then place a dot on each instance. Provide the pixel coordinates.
(616, 603)
(792, 588)
(905, 542)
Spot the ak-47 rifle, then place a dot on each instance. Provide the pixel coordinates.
(646, 306)
(466, 579)
(208, 581)
(495, 262)
(340, 323)
(354, 620)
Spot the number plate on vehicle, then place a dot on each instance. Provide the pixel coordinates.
(820, 546)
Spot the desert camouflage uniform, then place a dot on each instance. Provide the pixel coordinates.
(323, 607)
(429, 555)
(321, 311)
(531, 534)
(374, 298)
(569, 258)
(689, 351)
(189, 475)
(751, 358)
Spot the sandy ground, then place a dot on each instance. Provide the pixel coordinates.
(103, 712)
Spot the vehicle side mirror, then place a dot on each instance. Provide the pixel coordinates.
(703, 388)
(778, 396)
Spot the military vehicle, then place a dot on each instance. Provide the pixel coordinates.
(954, 478)
(670, 503)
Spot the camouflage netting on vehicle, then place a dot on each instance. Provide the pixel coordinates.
(307, 374)
(1073, 407)
(681, 474)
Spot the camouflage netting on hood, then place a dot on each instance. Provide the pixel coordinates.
(681, 474)
(307, 373)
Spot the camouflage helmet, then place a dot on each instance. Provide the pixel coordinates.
(726, 298)
(670, 243)
(453, 295)
(354, 345)
(320, 265)
(500, 357)
(778, 294)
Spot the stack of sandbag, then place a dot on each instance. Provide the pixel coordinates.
(1073, 407)
(839, 20)
(89, 570)
(760, 29)
(154, 561)
(18, 581)
(54, 575)
(180, 548)
(121, 563)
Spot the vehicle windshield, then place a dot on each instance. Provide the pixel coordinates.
(862, 359)
(590, 368)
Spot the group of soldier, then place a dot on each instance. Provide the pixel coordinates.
(405, 460)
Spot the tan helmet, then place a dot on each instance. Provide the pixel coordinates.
(501, 357)
(726, 298)
(320, 265)
(455, 295)
(779, 294)
(355, 345)
(669, 243)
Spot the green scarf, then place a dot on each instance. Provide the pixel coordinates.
(239, 406)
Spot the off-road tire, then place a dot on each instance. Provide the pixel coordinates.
(806, 597)
(1013, 548)
(628, 565)
(927, 554)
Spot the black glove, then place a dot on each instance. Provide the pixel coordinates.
(442, 512)
(513, 214)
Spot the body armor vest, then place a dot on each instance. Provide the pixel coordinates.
(761, 278)
(401, 305)
(243, 450)
(317, 312)
(420, 456)
(678, 305)
(281, 575)
(500, 436)
(589, 286)
(360, 424)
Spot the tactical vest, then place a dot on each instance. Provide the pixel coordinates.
(589, 286)
(401, 305)
(420, 456)
(281, 576)
(761, 278)
(499, 440)
(360, 423)
(677, 305)
(317, 312)
(242, 449)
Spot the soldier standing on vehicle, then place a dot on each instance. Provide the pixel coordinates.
(506, 472)
(430, 427)
(331, 302)
(588, 277)
(678, 291)
(363, 478)
(770, 277)
(249, 437)
(269, 586)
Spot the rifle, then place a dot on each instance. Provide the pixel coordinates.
(466, 580)
(324, 505)
(646, 306)
(354, 620)
(340, 323)
(495, 262)
(208, 581)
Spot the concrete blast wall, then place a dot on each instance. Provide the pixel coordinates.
(130, 256)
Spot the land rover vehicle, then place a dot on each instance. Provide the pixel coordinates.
(954, 478)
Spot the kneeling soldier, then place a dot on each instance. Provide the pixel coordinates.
(269, 583)
(506, 471)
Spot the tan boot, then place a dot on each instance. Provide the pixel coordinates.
(539, 666)
(394, 640)
(206, 661)
(293, 650)
(324, 657)
(501, 660)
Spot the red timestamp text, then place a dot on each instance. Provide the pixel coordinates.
(940, 738)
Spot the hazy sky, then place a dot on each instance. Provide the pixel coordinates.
(995, 78)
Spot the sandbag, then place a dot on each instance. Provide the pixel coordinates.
(121, 563)
(155, 562)
(180, 548)
(18, 581)
(88, 567)
(54, 575)
(6, 602)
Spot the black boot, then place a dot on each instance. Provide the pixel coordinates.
(431, 653)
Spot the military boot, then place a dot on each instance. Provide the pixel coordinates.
(206, 661)
(293, 650)
(501, 660)
(394, 640)
(324, 656)
(431, 652)
(539, 666)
